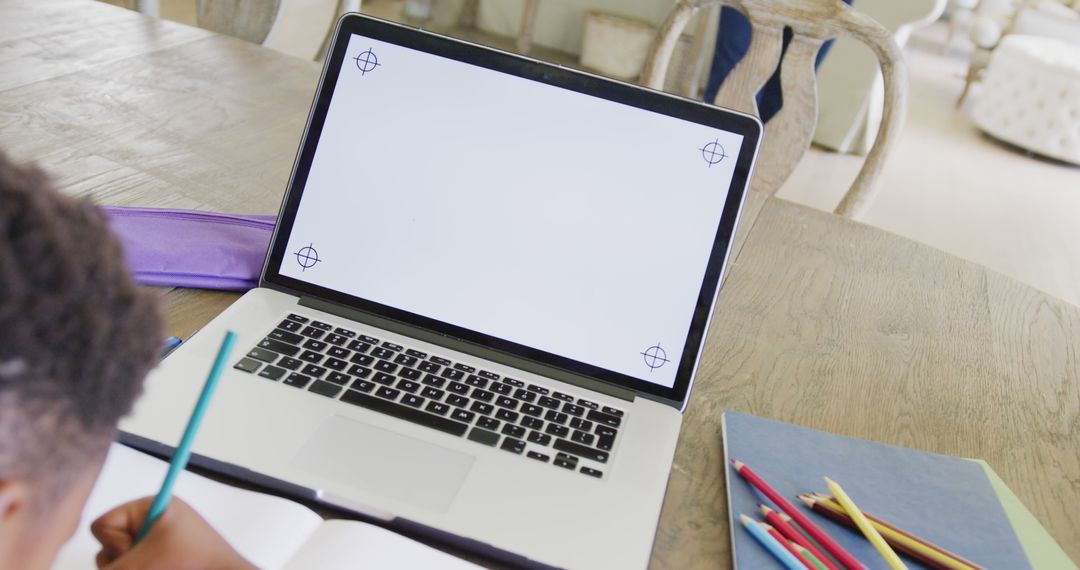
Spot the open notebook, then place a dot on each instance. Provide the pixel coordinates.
(271, 532)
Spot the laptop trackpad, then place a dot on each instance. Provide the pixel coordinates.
(385, 463)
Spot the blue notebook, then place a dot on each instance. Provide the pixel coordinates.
(946, 500)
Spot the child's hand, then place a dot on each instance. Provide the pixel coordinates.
(179, 539)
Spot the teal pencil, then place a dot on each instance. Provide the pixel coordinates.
(183, 451)
(770, 544)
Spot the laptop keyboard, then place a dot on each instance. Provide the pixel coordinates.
(457, 398)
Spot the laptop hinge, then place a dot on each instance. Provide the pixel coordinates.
(459, 345)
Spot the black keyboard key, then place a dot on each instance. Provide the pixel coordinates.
(335, 364)
(359, 346)
(501, 388)
(539, 438)
(605, 442)
(325, 389)
(587, 404)
(602, 418)
(297, 318)
(297, 380)
(483, 436)
(362, 359)
(312, 332)
(408, 386)
(345, 332)
(335, 339)
(279, 347)
(506, 415)
(311, 356)
(248, 365)
(488, 423)
(363, 385)
(338, 378)
(488, 375)
(316, 345)
(382, 353)
(272, 372)
(538, 389)
(433, 393)
(405, 360)
(387, 392)
(412, 400)
(360, 371)
(338, 352)
(565, 463)
(474, 380)
(434, 381)
(290, 363)
(322, 325)
(439, 360)
(513, 430)
(393, 347)
(369, 339)
(290, 325)
(504, 402)
(416, 353)
(531, 422)
(603, 430)
(538, 456)
(263, 354)
(557, 430)
(437, 408)
(513, 445)
(549, 402)
(481, 407)
(482, 395)
(462, 415)
(465, 368)
(563, 397)
(313, 370)
(383, 378)
(457, 388)
(455, 400)
(285, 336)
(573, 410)
(452, 374)
(612, 411)
(580, 450)
(429, 367)
(525, 396)
(583, 425)
(592, 472)
(385, 366)
(583, 438)
(531, 410)
(514, 383)
(410, 373)
(404, 412)
(554, 416)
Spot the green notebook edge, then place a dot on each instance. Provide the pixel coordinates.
(1041, 548)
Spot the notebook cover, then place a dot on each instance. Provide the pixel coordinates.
(946, 500)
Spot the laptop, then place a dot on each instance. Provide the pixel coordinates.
(483, 305)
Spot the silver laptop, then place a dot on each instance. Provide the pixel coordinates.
(483, 305)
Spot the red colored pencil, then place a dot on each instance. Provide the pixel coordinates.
(816, 533)
(789, 546)
(795, 536)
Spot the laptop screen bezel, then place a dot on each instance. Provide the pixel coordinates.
(490, 58)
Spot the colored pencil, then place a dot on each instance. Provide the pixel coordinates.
(770, 544)
(795, 536)
(183, 450)
(824, 556)
(790, 546)
(911, 546)
(816, 533)
(815, 563)
(865, 527)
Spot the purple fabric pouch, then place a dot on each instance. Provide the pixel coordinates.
(185, 248)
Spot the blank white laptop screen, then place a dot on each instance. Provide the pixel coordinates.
(535, 214)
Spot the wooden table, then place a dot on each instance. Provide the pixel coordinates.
(823, 322)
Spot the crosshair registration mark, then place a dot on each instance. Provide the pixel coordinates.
(655, 357)
(366, 61)
(307, 257)
(713, 153)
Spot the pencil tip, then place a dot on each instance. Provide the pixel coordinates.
(745, 519)
(808, 501)
(738, 464)
(765, 510)
(829, 481)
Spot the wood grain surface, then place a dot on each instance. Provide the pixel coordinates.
(822, 321)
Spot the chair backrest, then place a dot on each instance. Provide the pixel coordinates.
(788, 133)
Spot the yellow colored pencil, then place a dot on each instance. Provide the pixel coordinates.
(864, 525)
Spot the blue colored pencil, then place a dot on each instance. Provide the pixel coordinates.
(183, 451)
(770, 544)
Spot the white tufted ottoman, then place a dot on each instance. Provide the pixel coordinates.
(1031, 96)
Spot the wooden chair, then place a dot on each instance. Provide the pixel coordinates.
(788, 134)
